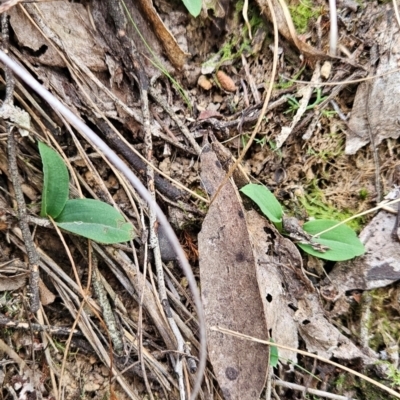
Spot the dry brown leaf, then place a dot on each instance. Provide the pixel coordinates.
(12, 282)
(206, 114)
(375, 108)
(378, 267)
(302, 301)
(229, 289)
(67, 21)
(278, 315)
(320, 335)
(174, 53)
(46, 296)
(4, 221)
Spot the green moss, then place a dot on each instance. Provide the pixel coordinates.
(302, 11)
(233, 49)
(331, 152)
(384, 322)
(201, 205)
(317, 207)
(371, 392)
(363, 193)
(238, 41)
(253, 14)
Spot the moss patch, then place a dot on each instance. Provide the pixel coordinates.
(301, 12)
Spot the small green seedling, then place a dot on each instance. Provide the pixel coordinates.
(193, 6)
(262, 142)
(338, 244)
(273, 355)
(92, 219)
(294, 105)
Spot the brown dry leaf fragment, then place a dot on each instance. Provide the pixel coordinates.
(378, 267)
(226, 159)
(280, 322)
(12, 282)
(375, 108)
(46, 296)
(204, 83)
(67, 21)
(229, 289)
(302, 301)
(206, 114)
(226, 82)
(174, 53)
(321, 336)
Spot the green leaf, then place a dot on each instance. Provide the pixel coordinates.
(267, 202)
(342, 241)
(273, 355)
(193, 6)
(95, 220)
(55, 182)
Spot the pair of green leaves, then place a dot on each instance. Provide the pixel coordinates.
(89, 218)
(342, 241)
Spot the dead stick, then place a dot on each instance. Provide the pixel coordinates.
(55, 330)
(33, 257)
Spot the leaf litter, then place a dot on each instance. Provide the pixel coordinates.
(84, 64)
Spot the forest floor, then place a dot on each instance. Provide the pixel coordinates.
(157, 85)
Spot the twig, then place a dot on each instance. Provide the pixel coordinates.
(33, 257)
(305, 390)
(54, 330)
(120, 22)
(371, 132)
(396, 12)
(268, 386)
(183, 128)
(49, 360)
(143, 81)
(108, 315)
(9, 76)
(126, 151)
(250, 80)
(4, 348)
(140, 317)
